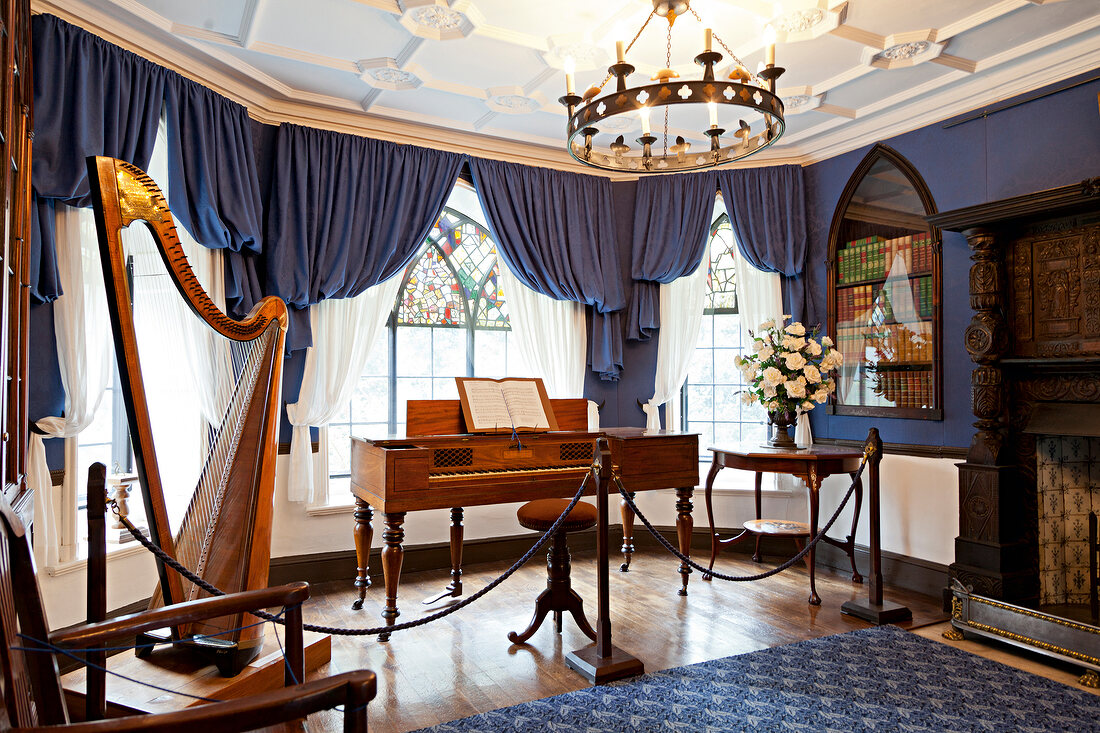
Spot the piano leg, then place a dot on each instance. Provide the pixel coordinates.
(684, 528)
(392, 556)
(628, 532)
(364, 534)
(455, 588)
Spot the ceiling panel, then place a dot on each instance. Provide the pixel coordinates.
(1018, 27)
(886, 17)
(220, 16)
(519, 45)
(335, 28)
(884, 84)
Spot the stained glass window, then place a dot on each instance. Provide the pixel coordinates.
(450, 319)
(455, 281)
(721, 293)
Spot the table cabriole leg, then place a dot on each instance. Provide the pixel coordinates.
(814, 485)
(715, 467)
(851, 548)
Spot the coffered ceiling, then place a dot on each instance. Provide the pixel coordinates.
(483, 76)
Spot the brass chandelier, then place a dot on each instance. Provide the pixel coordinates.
(743, 90)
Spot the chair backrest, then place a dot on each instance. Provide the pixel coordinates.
(31, 692)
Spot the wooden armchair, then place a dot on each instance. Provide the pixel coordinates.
(31, 697)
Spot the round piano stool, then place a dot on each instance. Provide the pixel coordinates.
(559, 595)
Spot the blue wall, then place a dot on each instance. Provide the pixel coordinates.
(1041, 144)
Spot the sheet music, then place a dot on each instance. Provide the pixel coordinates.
(505, 405)
(525, 405)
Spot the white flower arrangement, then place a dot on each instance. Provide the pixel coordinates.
(788, 371)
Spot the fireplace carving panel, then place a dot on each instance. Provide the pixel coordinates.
(1056, 293)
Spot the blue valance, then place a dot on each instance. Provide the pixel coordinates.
(94, 98)
(554, 231)
(347, 212)
(672, 215)
(90, 98)
(767, 210)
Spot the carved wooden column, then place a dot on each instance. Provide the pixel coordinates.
(989, 549)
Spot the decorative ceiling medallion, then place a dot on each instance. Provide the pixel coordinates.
(619, 124)
(438, 21)
(800, 21)
(809, 19)
(512, 104)
(797, 100)
(586, 55)
(383, 73)
(904, 51)
(903, 54)
(433, 16)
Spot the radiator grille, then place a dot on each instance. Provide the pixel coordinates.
(445, 457)
(575, 451)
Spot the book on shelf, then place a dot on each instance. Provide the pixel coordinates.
(514, 404)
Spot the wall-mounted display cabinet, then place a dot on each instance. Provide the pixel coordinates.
(885, 293)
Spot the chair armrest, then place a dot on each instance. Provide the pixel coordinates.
(353, 690)
(99, 633)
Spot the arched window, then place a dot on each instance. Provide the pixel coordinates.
(450, 320)
(711, 397)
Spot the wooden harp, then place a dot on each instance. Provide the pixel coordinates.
(224, 535)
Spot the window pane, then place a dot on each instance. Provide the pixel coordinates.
(448, 353)
(414, 351)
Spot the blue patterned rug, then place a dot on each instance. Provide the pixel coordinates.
(877, 679)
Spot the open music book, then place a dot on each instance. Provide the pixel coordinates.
(515, 404)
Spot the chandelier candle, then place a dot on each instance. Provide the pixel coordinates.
(757, 120)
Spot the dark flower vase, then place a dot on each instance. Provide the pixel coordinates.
(782, 423)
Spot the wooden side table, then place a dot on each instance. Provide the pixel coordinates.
(812, 465)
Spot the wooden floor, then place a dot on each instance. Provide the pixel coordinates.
(463, 664)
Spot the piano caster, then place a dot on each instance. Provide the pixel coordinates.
(625, 567)
(357, 605)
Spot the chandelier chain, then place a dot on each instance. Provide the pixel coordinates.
(715, 36)
(629, 46)
(668, 65)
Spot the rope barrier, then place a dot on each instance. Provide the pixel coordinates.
(340, 631)
(741, 578)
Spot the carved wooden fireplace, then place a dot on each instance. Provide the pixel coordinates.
(1035, 342)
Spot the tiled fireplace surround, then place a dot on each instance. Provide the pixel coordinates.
(1068, 483)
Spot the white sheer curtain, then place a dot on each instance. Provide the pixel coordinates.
(344, 330)
(550, 335)
(682, 302)
(84, 348)
(759, 299)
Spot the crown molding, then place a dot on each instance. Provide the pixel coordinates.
(958, 99)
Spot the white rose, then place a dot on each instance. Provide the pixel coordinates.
(766, 353)
(814, 347)
(807, 406)
(838, 358)
(786, 316)
(796, 329)
(826, 341)
(793, 343)
(748, 398)
(821, 396)
(769, 391)
(772, 376)
(813, 376)
(770, 323)
(794, 361)
(795, 389)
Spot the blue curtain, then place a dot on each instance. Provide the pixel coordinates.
(213, 183)
(347, 212)
(90, 98)
(672, 215)
(767, 210)
(554, 231)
